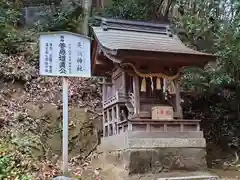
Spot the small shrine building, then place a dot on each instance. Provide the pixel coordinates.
(141, 64)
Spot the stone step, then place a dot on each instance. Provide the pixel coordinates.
(176, 175)
(190, 178)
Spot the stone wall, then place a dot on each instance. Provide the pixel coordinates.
(32, 14)
(165, 160)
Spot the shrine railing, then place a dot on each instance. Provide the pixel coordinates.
(118, 97)
(131, 98)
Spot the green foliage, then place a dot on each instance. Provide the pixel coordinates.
(133, 9)
(219, 33)
(12, 165)
(217, 25)
(67, 19)
(8, 19)
(228, 46)
(10, 36)
(157, 10)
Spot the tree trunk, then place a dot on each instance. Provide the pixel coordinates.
(87, 9)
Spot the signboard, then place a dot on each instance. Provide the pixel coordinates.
(68, 55)
(64, 54)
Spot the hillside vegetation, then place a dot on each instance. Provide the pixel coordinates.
(30, 105)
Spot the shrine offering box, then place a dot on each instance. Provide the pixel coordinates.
(162, 112)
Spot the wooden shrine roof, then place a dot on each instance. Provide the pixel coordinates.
(117, 35)
(144, 44)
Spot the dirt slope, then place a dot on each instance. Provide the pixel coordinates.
(31, 115)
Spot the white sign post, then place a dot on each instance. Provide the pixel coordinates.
(68, 55)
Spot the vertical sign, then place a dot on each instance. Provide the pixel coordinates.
(68, 55)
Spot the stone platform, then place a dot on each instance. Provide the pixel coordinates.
(156, 152)
(197, 175)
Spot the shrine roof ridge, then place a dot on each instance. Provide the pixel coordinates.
(136, 26)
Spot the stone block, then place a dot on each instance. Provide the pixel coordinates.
(145, 143)
(165, 159)
(197, 134)
(139, 161)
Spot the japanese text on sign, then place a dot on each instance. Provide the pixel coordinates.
(48, 58)
(80, 60)
(64, 54)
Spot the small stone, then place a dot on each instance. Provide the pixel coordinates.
(96, 172)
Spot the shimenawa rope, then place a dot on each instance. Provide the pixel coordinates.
(150, 75)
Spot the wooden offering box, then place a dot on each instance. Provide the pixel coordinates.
(162, 112)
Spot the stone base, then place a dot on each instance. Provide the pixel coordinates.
(159, 160)
(165, 159)
(141, 154)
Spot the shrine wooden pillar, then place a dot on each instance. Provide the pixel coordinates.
(178, 101)
(136, 90)
(124, 82)
(104, 90)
